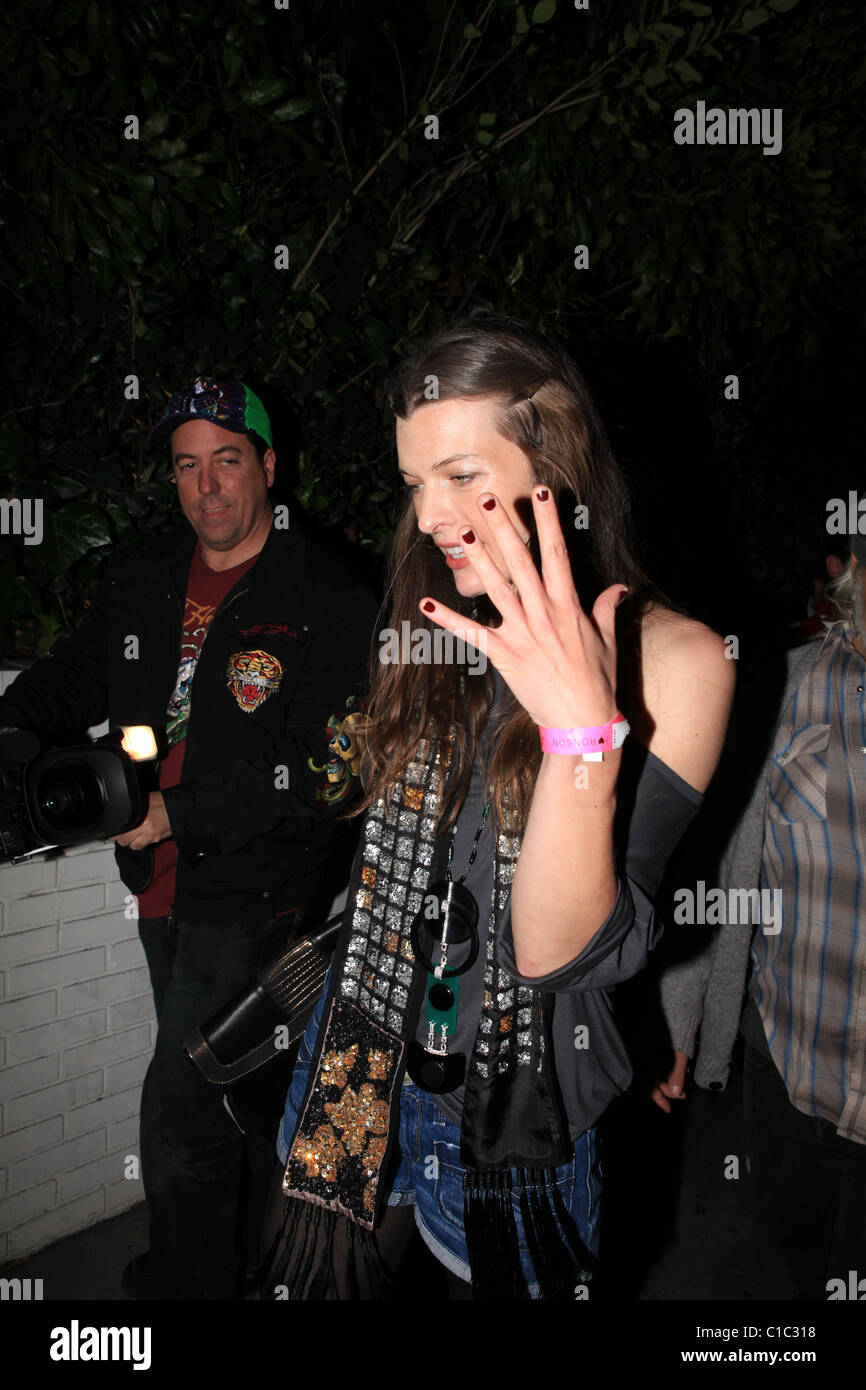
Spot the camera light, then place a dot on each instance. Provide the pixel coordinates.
(139, 742)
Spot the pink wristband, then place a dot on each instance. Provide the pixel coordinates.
(591, 741)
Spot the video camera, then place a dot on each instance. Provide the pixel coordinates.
(69, 796)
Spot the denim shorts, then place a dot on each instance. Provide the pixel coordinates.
(426, 1172)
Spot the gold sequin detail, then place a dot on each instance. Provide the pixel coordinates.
(413, 797)
(337, 1065)
(378, 1062)
(374, 1153)
(321, 1155)
(356, 1116)
(368, 876)
(391, 941)
(370, 1195)
(505, 1023)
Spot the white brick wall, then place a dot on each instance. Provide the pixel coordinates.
(77, 1029)
(76, 1033)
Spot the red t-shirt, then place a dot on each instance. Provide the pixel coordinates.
(206, 589)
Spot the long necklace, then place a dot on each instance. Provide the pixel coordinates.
(449, 919)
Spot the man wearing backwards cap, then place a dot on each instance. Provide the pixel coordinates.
(802, 836)
(249, 637)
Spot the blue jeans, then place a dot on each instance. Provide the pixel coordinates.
(426, 1171)
(192, 1154)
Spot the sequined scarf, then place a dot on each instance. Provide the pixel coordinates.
(512, 1115)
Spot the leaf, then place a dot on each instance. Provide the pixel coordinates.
(48, 67)
(78, 528)
(266, 90)
(484, 137)
(79, 62)
(650, 101)
(487, 118)
(782, 6)
(184, 168)
(684, 69)
(544, 10)
(521, 23)
(516, 271)
(155, 125)
(19, 598)
(653, 77)
(62, 224)
(752, 18)
(169, 149)
(630, 35)
(93, 238)
(69, 487)
(293, 108)
(233, 61)
(471, 32)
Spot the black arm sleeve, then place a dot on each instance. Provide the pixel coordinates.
(655, 806)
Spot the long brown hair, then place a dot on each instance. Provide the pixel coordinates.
(546, 409)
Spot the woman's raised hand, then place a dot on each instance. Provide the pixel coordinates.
(559, 663)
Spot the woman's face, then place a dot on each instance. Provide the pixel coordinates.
(450, 455)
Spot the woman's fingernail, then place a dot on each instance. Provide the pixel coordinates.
(428, 605)
(489, 503)
(468, 537)
(542, 494)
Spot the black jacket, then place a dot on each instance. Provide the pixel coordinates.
(247, 843)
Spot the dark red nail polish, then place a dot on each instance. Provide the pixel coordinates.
(428, 606)
(488, 504)
(468, 537)
(542, 494)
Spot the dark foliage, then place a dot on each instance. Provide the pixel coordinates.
(131, 264)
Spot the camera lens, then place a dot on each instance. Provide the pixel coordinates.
(70, 797)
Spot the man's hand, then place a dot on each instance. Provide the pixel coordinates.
(672, 1088)
(153, 828)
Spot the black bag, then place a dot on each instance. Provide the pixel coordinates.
(247, 1047)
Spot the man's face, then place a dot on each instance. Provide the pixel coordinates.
(222, 487)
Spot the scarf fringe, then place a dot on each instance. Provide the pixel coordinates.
(491, 1237)
(310, 1263)
(559, 1257)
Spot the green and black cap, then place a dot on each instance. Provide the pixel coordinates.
(229, 404)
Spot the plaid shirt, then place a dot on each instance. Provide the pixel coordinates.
(809, 980)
